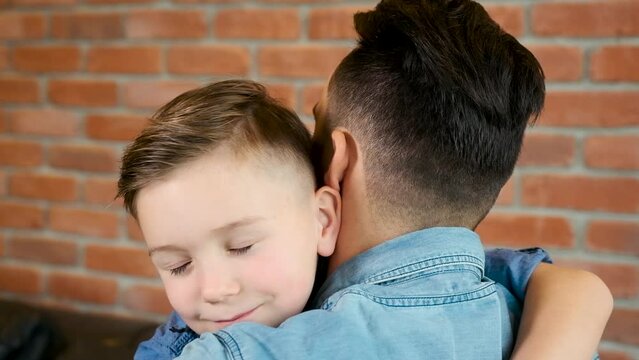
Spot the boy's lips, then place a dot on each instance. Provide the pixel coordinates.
(237, 317)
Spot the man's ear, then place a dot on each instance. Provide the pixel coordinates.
(329, 216)
(344, 155)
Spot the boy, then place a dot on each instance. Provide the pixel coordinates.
(222, 186)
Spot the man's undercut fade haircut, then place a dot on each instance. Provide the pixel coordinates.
(439, 97)
(236, 113)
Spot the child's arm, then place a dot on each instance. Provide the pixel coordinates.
(565, 312)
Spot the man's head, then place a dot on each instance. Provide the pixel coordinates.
(223, 189)
(437, 98)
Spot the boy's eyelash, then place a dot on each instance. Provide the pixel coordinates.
(179, 270)
(241, 250)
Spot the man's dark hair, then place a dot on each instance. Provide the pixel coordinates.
(438, 96)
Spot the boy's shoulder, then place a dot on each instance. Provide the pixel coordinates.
(168, 340)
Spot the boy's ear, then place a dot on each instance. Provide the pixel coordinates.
(344, 155)
(329, 216)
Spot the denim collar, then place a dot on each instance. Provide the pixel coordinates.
(415, 251)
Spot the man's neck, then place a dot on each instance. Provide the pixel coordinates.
(357, 236)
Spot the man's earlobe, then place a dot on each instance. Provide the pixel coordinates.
(339, 162)
(329, 214)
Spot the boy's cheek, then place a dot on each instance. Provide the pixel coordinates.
(181, 294)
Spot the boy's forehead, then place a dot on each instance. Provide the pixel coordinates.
(214, 191)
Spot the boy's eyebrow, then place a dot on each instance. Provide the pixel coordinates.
(164, 248)
(239, 223)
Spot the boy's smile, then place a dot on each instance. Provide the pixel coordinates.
(242, 316)
(235, 237)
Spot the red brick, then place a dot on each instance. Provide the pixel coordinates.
(560, 63)
(310, 97)
(43, 122)
(507, 193)
(300, 61)
(621, 279)
(623, 327)
(52, 251)
(615, 63)
(333, 23)
(101, 191)
(84, 222)
(501, 229)
(83, 157)
(167, 24)
(20, 153)
(282, 24)
(19, 90)
(613, 355)
(41, 186)
(614, 236)
(1, 245)
(3, 188)
(586, 19)
(153, 94)
(133, 229)
(18, 26)
(118, 2)
(130, 261)
(612, 152)
(87, 26)
(88, 289)
(136, 60)
(208, 60)
(147, 298)
(283, 93)
(208, 1)
(46, 58)
(582, 193)
(43, 2)
(510, 18)
(585, 109)
(13, 215)
(83, 92)
(20, 280)
(544, 149)
(114, 127)
(298, 1)
(4, 58)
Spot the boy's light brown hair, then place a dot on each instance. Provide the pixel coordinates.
(237, 113)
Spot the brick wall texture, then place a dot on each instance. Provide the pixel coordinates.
(78, 78)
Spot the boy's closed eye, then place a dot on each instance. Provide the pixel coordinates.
(240, 250)
(180, 270)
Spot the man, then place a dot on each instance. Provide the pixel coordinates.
(419, 130)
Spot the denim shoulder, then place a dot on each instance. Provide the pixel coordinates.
(513, 268)
(168, 340)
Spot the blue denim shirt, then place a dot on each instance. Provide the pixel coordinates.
(422, 293)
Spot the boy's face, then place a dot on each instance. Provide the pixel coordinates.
(234, 239)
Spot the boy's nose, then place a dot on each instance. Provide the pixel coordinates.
(219, 286)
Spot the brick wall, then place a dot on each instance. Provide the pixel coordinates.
(79, 77)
